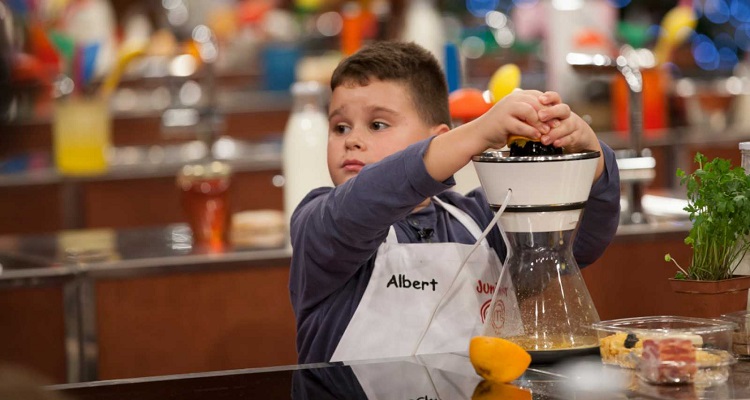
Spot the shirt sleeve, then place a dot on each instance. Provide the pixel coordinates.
(601, 216)
(334, 231)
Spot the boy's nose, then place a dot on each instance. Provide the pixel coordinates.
(354, 140)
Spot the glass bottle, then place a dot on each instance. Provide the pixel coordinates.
(743, 268)
(745, 154)
(305, 145)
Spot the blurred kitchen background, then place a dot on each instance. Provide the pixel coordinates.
(213, 78)
(104, 102)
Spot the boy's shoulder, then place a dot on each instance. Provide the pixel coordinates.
(312, 196)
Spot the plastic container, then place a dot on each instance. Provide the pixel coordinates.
(621, 337)
(705, 367)
(741, 334)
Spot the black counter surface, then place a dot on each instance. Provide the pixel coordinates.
(439, 376)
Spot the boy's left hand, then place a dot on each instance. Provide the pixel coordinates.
(569, 130)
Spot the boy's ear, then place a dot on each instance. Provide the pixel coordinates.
(439, 129)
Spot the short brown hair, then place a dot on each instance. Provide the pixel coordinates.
(406, 63)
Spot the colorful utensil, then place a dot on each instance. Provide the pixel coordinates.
(506, 79)
(677, 25)
(467, 103)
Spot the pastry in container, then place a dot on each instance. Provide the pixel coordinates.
(674, 361)
(619, 338)
(741, 335)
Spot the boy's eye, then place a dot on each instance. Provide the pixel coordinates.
(378, 126)
(341, 129)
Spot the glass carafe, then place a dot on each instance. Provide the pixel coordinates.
(541, 301)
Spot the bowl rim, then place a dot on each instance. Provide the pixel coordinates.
(503, 156)
(701, 325)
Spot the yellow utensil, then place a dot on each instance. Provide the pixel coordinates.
(113, 78)
(506, 79)
(677, 25)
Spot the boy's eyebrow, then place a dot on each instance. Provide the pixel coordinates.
(335, 112)
(383, 109)
(369, 108)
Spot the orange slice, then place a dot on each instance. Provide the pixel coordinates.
(488, 390)
(497, 359)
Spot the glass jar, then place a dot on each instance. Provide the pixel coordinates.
(745, 153)
(205, 201)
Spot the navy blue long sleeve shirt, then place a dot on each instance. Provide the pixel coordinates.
(336, 232)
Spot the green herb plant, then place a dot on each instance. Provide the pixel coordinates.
(719, 206)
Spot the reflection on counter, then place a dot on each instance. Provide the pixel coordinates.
(444, 376)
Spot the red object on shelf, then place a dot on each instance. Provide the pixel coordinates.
(352, 29)
(655, 111)
(41, 46)
(466, 104)
(205, 201)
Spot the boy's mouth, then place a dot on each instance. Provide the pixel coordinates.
(353, 165)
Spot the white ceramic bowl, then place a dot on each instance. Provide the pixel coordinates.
(536, 181)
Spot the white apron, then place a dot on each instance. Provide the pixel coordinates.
(407, 284)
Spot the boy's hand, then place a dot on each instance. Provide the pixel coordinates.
(568, 130)
(528, 113)
(516, 114)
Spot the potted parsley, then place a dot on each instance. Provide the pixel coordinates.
(719, 206)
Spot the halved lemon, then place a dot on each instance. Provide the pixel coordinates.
(497, 359)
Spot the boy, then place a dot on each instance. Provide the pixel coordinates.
(372, 254)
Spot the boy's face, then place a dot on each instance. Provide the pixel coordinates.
(369, 123)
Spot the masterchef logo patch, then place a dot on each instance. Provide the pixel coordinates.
(483, 310)
(498, 316)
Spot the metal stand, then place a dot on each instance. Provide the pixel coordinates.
(81, 347)
(636, 167)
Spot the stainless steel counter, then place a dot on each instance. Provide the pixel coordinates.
(75, 259)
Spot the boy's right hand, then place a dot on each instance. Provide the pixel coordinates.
(516, 114)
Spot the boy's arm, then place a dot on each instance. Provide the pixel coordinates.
(336, 232)
(528, 113)
(515, 114)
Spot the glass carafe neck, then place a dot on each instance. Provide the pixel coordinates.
(559, 241)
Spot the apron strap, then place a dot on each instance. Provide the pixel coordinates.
(463, 218)
(457, 213)
(391, 238)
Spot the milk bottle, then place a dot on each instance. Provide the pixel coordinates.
(304, 147)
